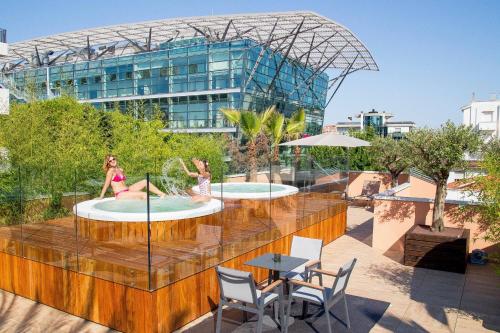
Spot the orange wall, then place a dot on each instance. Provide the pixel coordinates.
(357, 179)
(393, 218)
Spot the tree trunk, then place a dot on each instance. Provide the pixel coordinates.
(276, 153)
(252, 161)
(438, 210)
(297, 156)
(394, 179)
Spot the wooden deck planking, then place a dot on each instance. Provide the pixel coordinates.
(182, 265)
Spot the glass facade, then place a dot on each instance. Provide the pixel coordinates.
(189, 80)
(376, 122)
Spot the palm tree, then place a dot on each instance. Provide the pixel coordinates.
(275, 130)
(294, 128)
(251, 125)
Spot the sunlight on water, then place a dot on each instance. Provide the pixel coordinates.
(169, 204)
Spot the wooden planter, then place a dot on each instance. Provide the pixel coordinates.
(445, 251)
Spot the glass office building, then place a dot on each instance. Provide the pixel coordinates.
(189, 78)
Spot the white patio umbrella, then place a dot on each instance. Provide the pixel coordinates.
(330, 139)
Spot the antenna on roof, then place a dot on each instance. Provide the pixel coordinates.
(473, 96)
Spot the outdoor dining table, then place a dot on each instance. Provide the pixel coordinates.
(285, 264)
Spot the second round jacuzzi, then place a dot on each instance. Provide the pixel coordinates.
(171, 208)
(249, 190)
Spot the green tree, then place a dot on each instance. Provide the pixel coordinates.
(139, 144)
(390, 155)
(251, 125)
(275, 130)
(487, 189)
(360, 158)
(201, 146)
(436, 152)
(54, 142)
(294, 128)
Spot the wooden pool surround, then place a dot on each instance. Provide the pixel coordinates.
(103, 275)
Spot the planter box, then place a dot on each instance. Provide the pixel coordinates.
(444, 251)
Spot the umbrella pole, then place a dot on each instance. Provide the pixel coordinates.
(347, 185)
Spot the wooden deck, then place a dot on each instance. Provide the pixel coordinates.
(107, 280)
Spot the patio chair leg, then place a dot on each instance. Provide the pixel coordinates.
(327, 314)
(282, 315)
(348, 322)
(259, 322)
(245, 314)
(288, 311)
(304, 309)
(219, 318)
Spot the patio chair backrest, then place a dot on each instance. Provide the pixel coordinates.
(370, 187)
(307, 248)
(340, 283)
(236, 285)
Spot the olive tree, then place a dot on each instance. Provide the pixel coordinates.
(391, 155)
(436, 152)
(487, 188)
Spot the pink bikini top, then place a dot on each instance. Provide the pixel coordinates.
(119, 178)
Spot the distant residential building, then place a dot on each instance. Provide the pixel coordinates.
(483, 115)
(379, 121)
(329, 128)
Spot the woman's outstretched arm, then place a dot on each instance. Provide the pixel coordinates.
(189, 173)
(107, 182)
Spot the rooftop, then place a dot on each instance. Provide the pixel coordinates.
(307, 37)
(383, 296)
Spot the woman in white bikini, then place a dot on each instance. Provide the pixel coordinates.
(116, 179)
(203, 176)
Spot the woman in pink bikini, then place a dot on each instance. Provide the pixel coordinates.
(203, 176)
(116, 178)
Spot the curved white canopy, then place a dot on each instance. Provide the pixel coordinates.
(307, 37)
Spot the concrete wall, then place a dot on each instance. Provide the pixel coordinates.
(412, 203)
(393, 218)
(358, 178)
(419, 189)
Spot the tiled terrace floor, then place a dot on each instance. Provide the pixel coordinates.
(385, 296)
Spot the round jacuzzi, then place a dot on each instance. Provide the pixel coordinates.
(249, 190)
(166, 209)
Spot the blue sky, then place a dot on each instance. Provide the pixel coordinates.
(432, 54)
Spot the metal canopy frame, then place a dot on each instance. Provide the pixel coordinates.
(307, 38)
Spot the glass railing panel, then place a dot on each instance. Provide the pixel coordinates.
(246, 198)
(187, 238)
(11, 207)
(113, 234)
(48, 224)
(285, 207)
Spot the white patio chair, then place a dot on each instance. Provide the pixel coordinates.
(237, 290)
(307, 248)
(326, 297)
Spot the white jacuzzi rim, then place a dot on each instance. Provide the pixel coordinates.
(288, 190)
(87, 210)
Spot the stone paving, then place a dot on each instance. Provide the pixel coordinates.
(384, 296)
